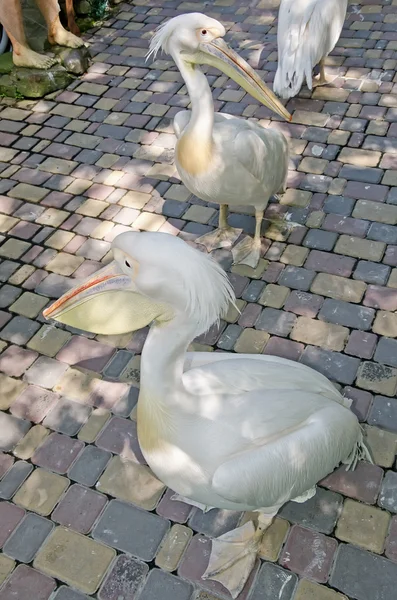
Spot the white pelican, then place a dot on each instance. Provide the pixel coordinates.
(221, 158)
(240, 432)
(308, 31)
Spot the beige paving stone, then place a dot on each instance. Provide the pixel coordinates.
(234, 311)
(359, 248)
(253, 273)
(382, 444)
(21, 275)
(117, 341)
(310, 164)
(64, 554)
(6, 566)
(392, 279)
(92, 208)
(29, 305)
(390, 178)
(58, 165)
(149, 221)
(315, 219)
(308, 590)
(96, 422)
(64, 264)
(68, 110)
(330, 93)
(7, 223)
(28, 192)
(10, 389)
(363, 525)
(59, 239)
(294, 255)
(274, 537)
(52, 217)
(172, 547)
(132, 482)
(338, 137)
(385, 323)
(251, 341)
(195, 347)
(13, 248)
(296, 198)
(135, 199)
(41, 491)
(274, 295)
(78, 186)
(377, 378)
(360, 158)
(319, 333)
(199, 214)
(49, 340)
(337, 287)
(375, 211)
(306, 117)
(77, 384)
(103, 229)
(161, 171)
(26, 447)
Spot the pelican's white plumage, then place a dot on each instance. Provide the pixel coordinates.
(308, 31)
(221, 158)
(239, 432)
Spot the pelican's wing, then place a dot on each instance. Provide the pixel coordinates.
(304, 451)
(307, 31)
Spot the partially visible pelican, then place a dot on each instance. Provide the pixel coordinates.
(308, 31)
(221, 158)
(234, 431)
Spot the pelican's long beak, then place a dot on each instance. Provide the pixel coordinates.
(218, 54)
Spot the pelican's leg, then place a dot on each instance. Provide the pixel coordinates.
(248, 251)
(224, 236)
(233, 554)
(322, 78)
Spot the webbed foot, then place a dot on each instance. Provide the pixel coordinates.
(224, 237)
(247, 252)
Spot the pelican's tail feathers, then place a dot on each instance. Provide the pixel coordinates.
(359, 452)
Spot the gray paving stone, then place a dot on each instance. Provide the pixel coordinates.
(8, 295)
(165, 586)
(229, 337)
(339, 205)
(320, 512)
(382, 233)
(19, 330)
(14, 479)
(371, 272)
(54, 285)
(28, 537)
(124, 580)
(334, 365)
(347, 314)
(363, 174)
(124, 406)
(383, 413)
(273, 582)
(7, 268)
(362, 575)
(117, 364)
(214, 522)
(318, 239)
(65, 593)
(89, 466)
(12, 430)
(388, 492)
(386, 352)
(67, 417)
(131, 530)
(276, 321)
(253, 291)
(297, 278)
(45, 372)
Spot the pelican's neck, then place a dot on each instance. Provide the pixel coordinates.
(202, 119)
(163, 358)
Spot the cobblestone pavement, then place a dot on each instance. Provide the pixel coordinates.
(81, 516)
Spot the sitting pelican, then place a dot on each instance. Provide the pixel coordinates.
(233, 431)
(308, 31)
(221, 158)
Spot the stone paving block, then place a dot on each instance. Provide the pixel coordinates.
(383, 413)
(41, 491)
(14, 361)
(339, 288)
(274, 295)
(388, 493)
(34, 403)
(334, 365)
(6, 566)
(116, 481)
(28, 537)
(131, 530)
(49, 340)
(360, 574)
(159, 583)
(120, 437)
(96, 422)
(307, 590)
(214, 522)
(125, 577)
(386, 352)
(175, 510)
(86, 354)
(172, 547)
(319, 513)
(67, 417)
(57, 453)
(297, 278)
(276, 322)
(6, 462)
(45, 372)
(371, 272)
(361, 484)
(377, 378)
(66, 593)
(302, 548)
(10, 516)
(10, 388)
(77, 384)
(64, 553)
(251, 341)
(363, 526)
(14, 478)
(79, 508)
(29, 305)
(19, 330)
(347, 314)
(359, 248)
(382, 445)
(12, 431)
(320, 334)
(274, 582)
(27, 446)
(89, 465)
(385, 324)
(26, 583)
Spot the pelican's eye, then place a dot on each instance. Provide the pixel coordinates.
(127, 264)
(204, 32)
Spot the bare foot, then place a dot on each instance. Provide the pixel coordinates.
(28, 58)
(62, 37)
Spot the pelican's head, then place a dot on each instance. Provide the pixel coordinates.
(153, 277)
(196, 39)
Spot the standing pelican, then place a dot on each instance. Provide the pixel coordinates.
(221, 158)
(240, 432)
(308, 31)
